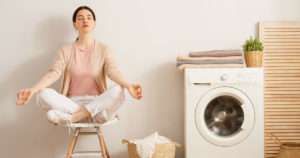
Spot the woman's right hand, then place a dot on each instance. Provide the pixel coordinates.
(24, 95)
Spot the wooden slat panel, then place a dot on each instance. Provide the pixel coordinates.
(281, 40)
(283, 103)
(280, 50)
(285, 33)
(282, 83)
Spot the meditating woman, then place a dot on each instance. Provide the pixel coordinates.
(83, 66)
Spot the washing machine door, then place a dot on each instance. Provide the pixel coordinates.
(224, 116)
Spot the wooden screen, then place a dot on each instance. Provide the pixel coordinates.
(282, 83)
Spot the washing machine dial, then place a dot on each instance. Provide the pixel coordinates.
(224, 77)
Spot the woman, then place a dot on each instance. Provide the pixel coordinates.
(84, 65)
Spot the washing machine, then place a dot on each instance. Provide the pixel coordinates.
(224, 113)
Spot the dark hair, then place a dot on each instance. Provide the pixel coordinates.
(82, 8)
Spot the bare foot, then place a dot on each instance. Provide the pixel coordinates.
(80, 115)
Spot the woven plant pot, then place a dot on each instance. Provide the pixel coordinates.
(254, 58)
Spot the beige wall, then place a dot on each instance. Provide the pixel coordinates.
(146, 37)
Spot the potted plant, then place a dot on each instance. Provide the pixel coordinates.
(253, 51)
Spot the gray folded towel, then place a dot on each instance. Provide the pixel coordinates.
(208, 61)
(184, 66)
(216, 53)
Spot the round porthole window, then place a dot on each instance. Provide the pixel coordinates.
(224, 116)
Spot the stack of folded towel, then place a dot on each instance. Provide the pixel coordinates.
(212, 59)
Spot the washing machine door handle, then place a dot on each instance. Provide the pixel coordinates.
(202, 83)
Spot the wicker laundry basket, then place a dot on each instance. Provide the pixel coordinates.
(161, 150)
(287, 150)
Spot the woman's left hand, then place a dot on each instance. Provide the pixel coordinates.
(135, 91)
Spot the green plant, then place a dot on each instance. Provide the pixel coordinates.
(253, 44)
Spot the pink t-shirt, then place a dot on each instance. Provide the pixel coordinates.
(82, 78)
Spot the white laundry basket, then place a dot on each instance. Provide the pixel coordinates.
(161, 150)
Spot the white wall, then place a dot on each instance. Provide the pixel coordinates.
(146, 37)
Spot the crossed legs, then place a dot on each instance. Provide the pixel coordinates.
(60, 107)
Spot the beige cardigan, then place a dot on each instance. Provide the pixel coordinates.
(103, 65)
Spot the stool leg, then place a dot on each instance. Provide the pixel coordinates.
(106, 150)
(102, 143)
(72, 143)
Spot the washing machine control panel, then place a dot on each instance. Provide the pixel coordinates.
(230, 76)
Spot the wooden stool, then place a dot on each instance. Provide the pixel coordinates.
(78, 130)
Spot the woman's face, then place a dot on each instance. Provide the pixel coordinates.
(84, 22)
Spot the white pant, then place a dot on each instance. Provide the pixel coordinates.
(110, 101)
